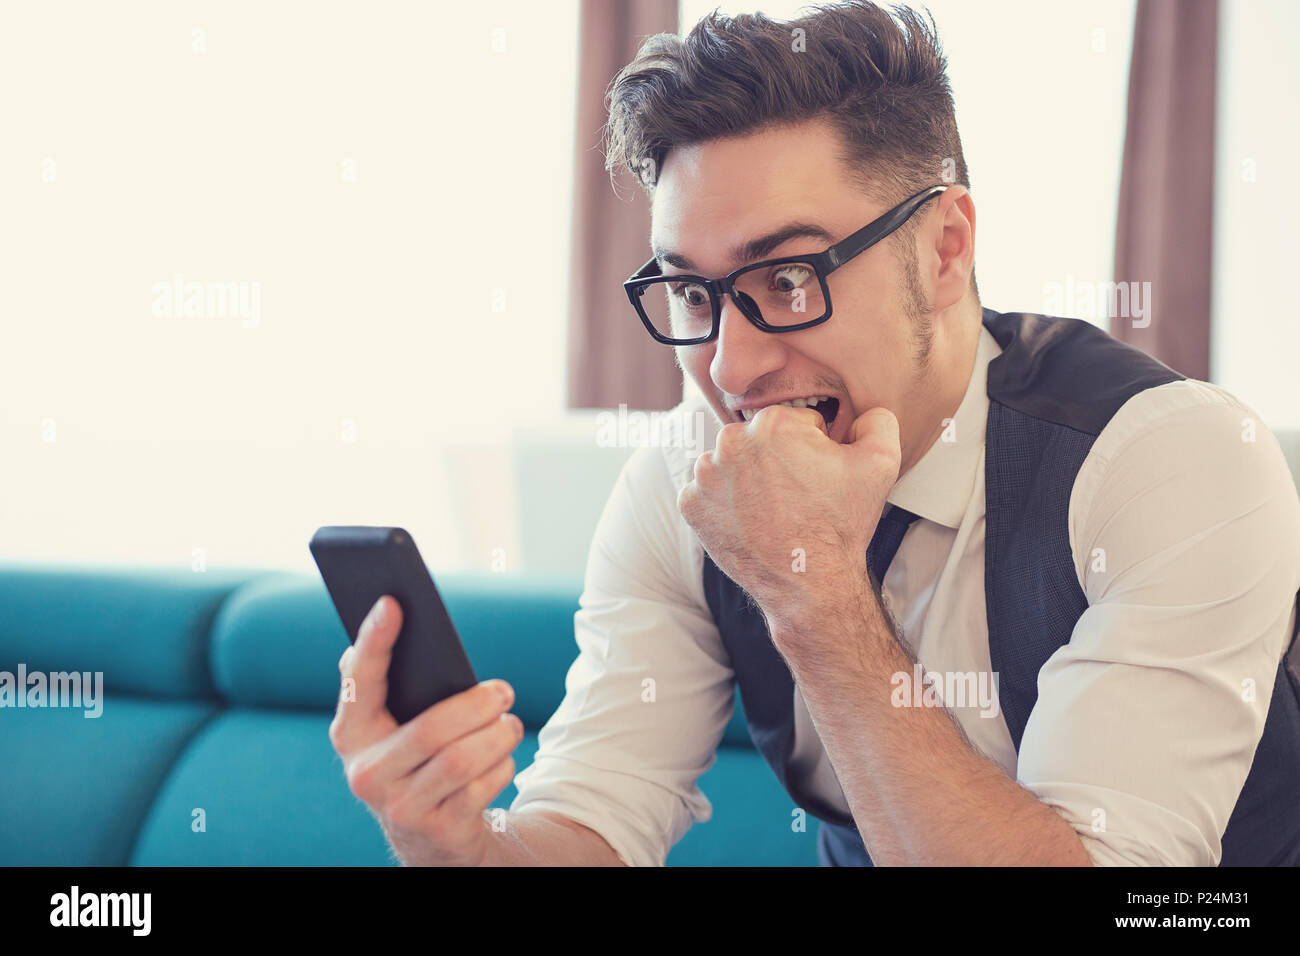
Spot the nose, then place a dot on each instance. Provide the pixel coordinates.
(744, 353)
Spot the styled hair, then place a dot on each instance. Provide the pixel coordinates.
(878, 76)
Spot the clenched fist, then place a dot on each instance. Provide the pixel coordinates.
(786, 512)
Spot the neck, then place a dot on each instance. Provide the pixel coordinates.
(943, 385)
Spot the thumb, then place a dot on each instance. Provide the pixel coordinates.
(372, 653)
(875, 434)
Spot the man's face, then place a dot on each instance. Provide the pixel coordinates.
(713, 197)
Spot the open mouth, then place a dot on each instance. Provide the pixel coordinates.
(827, 407)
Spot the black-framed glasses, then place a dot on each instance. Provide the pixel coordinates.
(776, 295)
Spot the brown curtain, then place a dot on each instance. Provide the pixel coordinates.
(611, 358)
(1166, 197)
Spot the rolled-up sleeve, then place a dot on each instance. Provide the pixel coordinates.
(651, 691)
(1185, 526)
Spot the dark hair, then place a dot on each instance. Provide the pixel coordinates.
(880, 77)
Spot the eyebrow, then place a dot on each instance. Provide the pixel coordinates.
(754, 249)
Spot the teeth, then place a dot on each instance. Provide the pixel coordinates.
(749, 413)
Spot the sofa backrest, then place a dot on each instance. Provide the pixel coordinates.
(217, 692)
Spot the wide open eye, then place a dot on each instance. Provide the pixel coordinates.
(690, 295)
(786, 278)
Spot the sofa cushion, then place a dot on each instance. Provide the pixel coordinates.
(257, 652)
(277, 641)
(145, 629)
(78, 788)
(272, 793)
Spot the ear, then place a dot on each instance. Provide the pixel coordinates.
(953, 254)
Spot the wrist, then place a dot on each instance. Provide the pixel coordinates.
(827, 604)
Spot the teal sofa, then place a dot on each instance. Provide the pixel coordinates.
(218, 690)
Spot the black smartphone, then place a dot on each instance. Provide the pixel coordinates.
(360, 564)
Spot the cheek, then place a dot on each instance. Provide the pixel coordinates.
(869, 327)
(695, 362)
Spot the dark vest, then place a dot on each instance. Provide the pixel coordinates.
(1051, 392)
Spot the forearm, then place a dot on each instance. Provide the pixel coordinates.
(545, 839)
(876, 826)
(880, 831)
(919, 792)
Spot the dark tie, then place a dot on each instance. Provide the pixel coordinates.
(884, 543)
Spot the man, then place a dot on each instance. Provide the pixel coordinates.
(905, 496)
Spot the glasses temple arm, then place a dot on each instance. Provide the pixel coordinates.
(874, 232)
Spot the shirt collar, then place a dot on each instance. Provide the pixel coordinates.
(939, 486)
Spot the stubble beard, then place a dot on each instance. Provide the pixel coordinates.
(918, 313)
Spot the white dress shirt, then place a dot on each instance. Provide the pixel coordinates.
(1184, 523)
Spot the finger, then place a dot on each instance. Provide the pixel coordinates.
(476, 796)
(810, 415)
(362, 716)
(401, 753)
(458, 765)
(374, 654)
(876, 425)
(817, 419)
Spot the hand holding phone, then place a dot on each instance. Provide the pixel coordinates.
(429, 780)
(360, 564)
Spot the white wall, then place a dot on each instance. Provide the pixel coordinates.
(394, 184)
(1256, 343)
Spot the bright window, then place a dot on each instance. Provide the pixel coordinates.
(365, 209)
(1256, 246)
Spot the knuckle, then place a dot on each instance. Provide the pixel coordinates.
(702, 464)
(732, 435)
(429, 732)
(766, 420)
(361, 780)
(794, 420)
(400, 813)
(453, 763)
(482, 790)
(471, 794)
(393, 810)
(687, 503)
